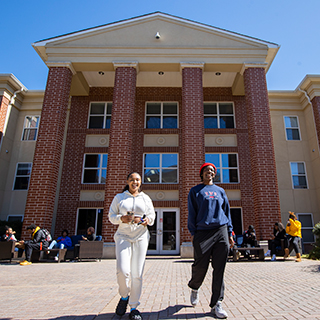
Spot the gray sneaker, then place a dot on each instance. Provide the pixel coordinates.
(194, 297)
(218, 311)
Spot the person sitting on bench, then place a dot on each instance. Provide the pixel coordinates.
(9, 235)
(249, 240)
(62, 242)
(38, 242)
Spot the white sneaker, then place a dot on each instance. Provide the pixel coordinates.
(194, 297)
(218, 311)
(56, 258)
(273, 257)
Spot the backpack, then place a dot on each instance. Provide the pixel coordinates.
(47, 234)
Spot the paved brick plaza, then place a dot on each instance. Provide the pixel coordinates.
(88, 290)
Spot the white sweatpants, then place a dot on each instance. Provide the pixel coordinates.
(130, 264)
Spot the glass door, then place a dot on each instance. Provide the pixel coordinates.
(165, 233)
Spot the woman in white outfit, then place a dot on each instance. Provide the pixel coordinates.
(132, 210)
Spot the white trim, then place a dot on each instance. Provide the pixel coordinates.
(218, 113)
(190, 64)
(100, 168)
(248, 65)
(306, 228)
(285, 128)
(226, 168)
(15, 176)
(305, 174)
(131, 64)
(66, 64)
(160, 167)
(161, 114)
(24, 127)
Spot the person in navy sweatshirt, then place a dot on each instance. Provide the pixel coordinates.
(209, 223)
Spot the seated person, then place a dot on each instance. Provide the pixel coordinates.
(62, 242)
(38, 242)
(249, 240)
(279, 233)
(90, 236)
(9, 235)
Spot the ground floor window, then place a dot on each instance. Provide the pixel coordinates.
(90, 217)
(22, 177)
(236, 217)
(306, 220)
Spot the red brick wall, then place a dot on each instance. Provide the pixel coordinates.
(4, 103)
(316, 111)
(121, 137)
(69, 196)
(263, 166)
(191, 140)
(46, 163)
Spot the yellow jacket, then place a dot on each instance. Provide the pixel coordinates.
(35, 231)
(295, 228)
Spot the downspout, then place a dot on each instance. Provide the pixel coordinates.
(11, 103)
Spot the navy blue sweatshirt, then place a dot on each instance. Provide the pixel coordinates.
(209, 208)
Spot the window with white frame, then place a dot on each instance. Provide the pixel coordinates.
(95, 168)
(227, 166)
(292, 127)
(160, 168)
(299, 175)
(218, 115)
(30, 128)
(100, 115)
(306, 220)
(22, 176)
(89, 217)
(161, 115)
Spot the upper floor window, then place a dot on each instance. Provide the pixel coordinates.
(100, 115)
(227, 167)
(299, 175)
(292, 128)
(306, 220)
(162, 115)
(218, 115)
(95, 168)
(160, 168)
(30, 128)
(22, 176)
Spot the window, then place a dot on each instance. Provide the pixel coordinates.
(11, 218)
(30, 128)
(160, 168)
(299, 176)
(292, 128)
(218, 115)
(227, 167)
(23, 172)
(100, 115)
(306, 220)
(95, 168)
(89, 218)
(236, 217)
(162, 115)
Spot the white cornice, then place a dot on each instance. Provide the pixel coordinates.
(246, 66)
(131, 64)
(66, 64)
(191, 64)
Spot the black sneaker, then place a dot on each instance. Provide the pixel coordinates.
(135, 315)
(122, 307)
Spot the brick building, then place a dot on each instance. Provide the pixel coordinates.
(157, 94)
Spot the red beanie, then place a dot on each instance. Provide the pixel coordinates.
(208, 164)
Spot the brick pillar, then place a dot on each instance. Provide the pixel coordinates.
(316, 111)
(192, 140)
(4, 103)
(121, 139)
(263, 165)
(46, 162)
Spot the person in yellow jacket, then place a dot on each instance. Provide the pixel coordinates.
(293, 229)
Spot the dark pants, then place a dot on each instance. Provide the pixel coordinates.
(294, 243)
(275, 243)
(29, 247)
(214, 245)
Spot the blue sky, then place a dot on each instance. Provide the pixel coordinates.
(292, 24)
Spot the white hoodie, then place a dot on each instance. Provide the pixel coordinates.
(140, 205)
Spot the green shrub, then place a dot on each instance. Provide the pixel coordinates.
(315, 252)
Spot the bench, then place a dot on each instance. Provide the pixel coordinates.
(7, 250)
(254, 251)
(38, 255)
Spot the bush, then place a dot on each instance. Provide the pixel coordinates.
(15, 225)
(315, 252)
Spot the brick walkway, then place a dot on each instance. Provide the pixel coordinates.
(88, 290)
